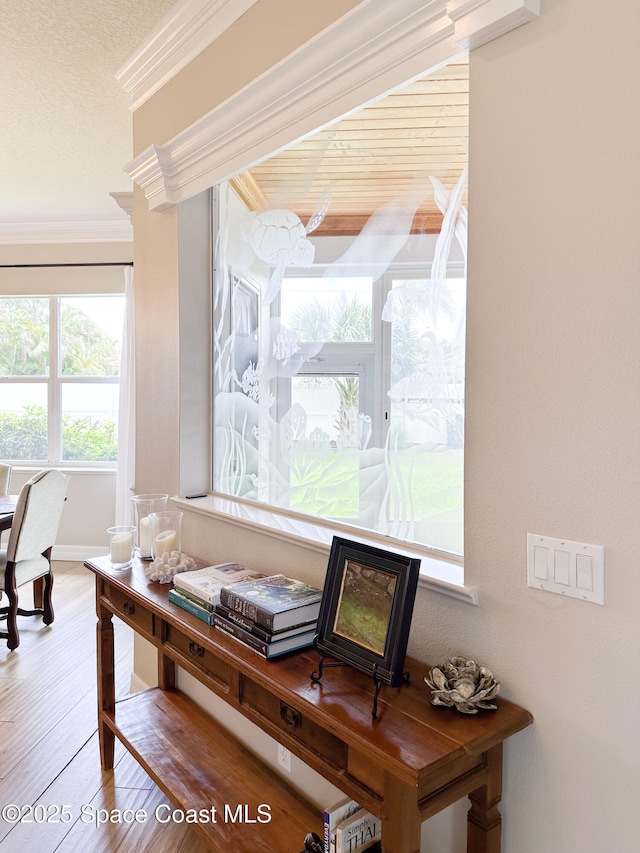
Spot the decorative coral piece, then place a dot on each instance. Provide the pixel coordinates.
(463, 684)
(163, 568)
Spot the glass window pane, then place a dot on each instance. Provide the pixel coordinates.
(331, 404)
(23, 422)
(323, 474)
(24, 337)
(340, 394)
(427, 403)
(91, 335)
(327, 309)
(89, 422)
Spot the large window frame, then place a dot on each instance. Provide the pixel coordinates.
(372, 49)
(56, 381)
(360, 453)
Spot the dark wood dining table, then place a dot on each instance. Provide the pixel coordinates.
(7, 508)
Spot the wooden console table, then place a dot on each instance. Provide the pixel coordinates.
(409, 763)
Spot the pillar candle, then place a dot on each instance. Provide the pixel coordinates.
(144, 537)
(166, 542)
(121, 545)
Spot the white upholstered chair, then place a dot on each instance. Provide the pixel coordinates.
(27, 558)
(5, 478)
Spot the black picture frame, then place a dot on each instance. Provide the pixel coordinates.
(366, 609)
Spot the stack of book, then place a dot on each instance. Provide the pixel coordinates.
(350, 829)
(198, 591)
(272, 615)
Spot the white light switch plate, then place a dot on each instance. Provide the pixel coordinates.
(568, 568)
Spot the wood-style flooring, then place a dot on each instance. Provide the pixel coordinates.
(49, 760)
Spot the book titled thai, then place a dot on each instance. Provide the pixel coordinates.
(275, 602)
(267, 650)
(258, 630)
(333, 816)
(361, 831)
(206, 583)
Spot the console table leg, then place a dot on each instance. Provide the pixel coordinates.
(106, 686)
(484, 824)
(400, 818)
(166, 673)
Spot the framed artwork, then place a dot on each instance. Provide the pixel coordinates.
(366, 609)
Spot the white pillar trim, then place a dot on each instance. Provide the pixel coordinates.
(373, 49)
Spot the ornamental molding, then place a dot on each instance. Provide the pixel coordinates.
(69, 231)
(190, 27)
(480, 21)
(373, 49)
(124, 202)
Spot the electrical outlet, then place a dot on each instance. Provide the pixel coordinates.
(284, 758)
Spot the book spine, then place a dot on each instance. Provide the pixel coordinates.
(246, 624)
(244, 636)
(197, 599)
(326, 834)
(194, 591)
(190, 606)
(246, 608)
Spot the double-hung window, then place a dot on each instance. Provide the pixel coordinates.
(59, 378)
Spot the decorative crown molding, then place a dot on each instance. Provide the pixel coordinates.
(373, 49)
(124, 202)
(81, 231)
(479, 21)
(190, 27)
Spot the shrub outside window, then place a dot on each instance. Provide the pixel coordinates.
(60, 374)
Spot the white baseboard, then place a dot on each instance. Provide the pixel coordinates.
(77, 553)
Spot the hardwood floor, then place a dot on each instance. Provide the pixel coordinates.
(49, 760)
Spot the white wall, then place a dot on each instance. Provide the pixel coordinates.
(88, 511)
(553, 410)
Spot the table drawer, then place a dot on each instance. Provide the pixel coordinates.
(202, 659)
(262, 705)
(129, 610)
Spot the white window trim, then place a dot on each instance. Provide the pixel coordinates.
(439, 572)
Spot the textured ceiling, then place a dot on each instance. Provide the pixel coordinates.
(65, 125)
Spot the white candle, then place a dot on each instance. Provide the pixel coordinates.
(166, 542)
(145, 536)
(121, 545)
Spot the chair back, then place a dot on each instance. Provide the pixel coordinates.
(5, 478)
(37, 515)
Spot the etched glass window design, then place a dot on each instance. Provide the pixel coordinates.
(339, 320)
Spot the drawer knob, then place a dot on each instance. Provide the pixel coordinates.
(290, 716)
(196, 650)
(129, 608)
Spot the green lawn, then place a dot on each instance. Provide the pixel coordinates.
(329, 483)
